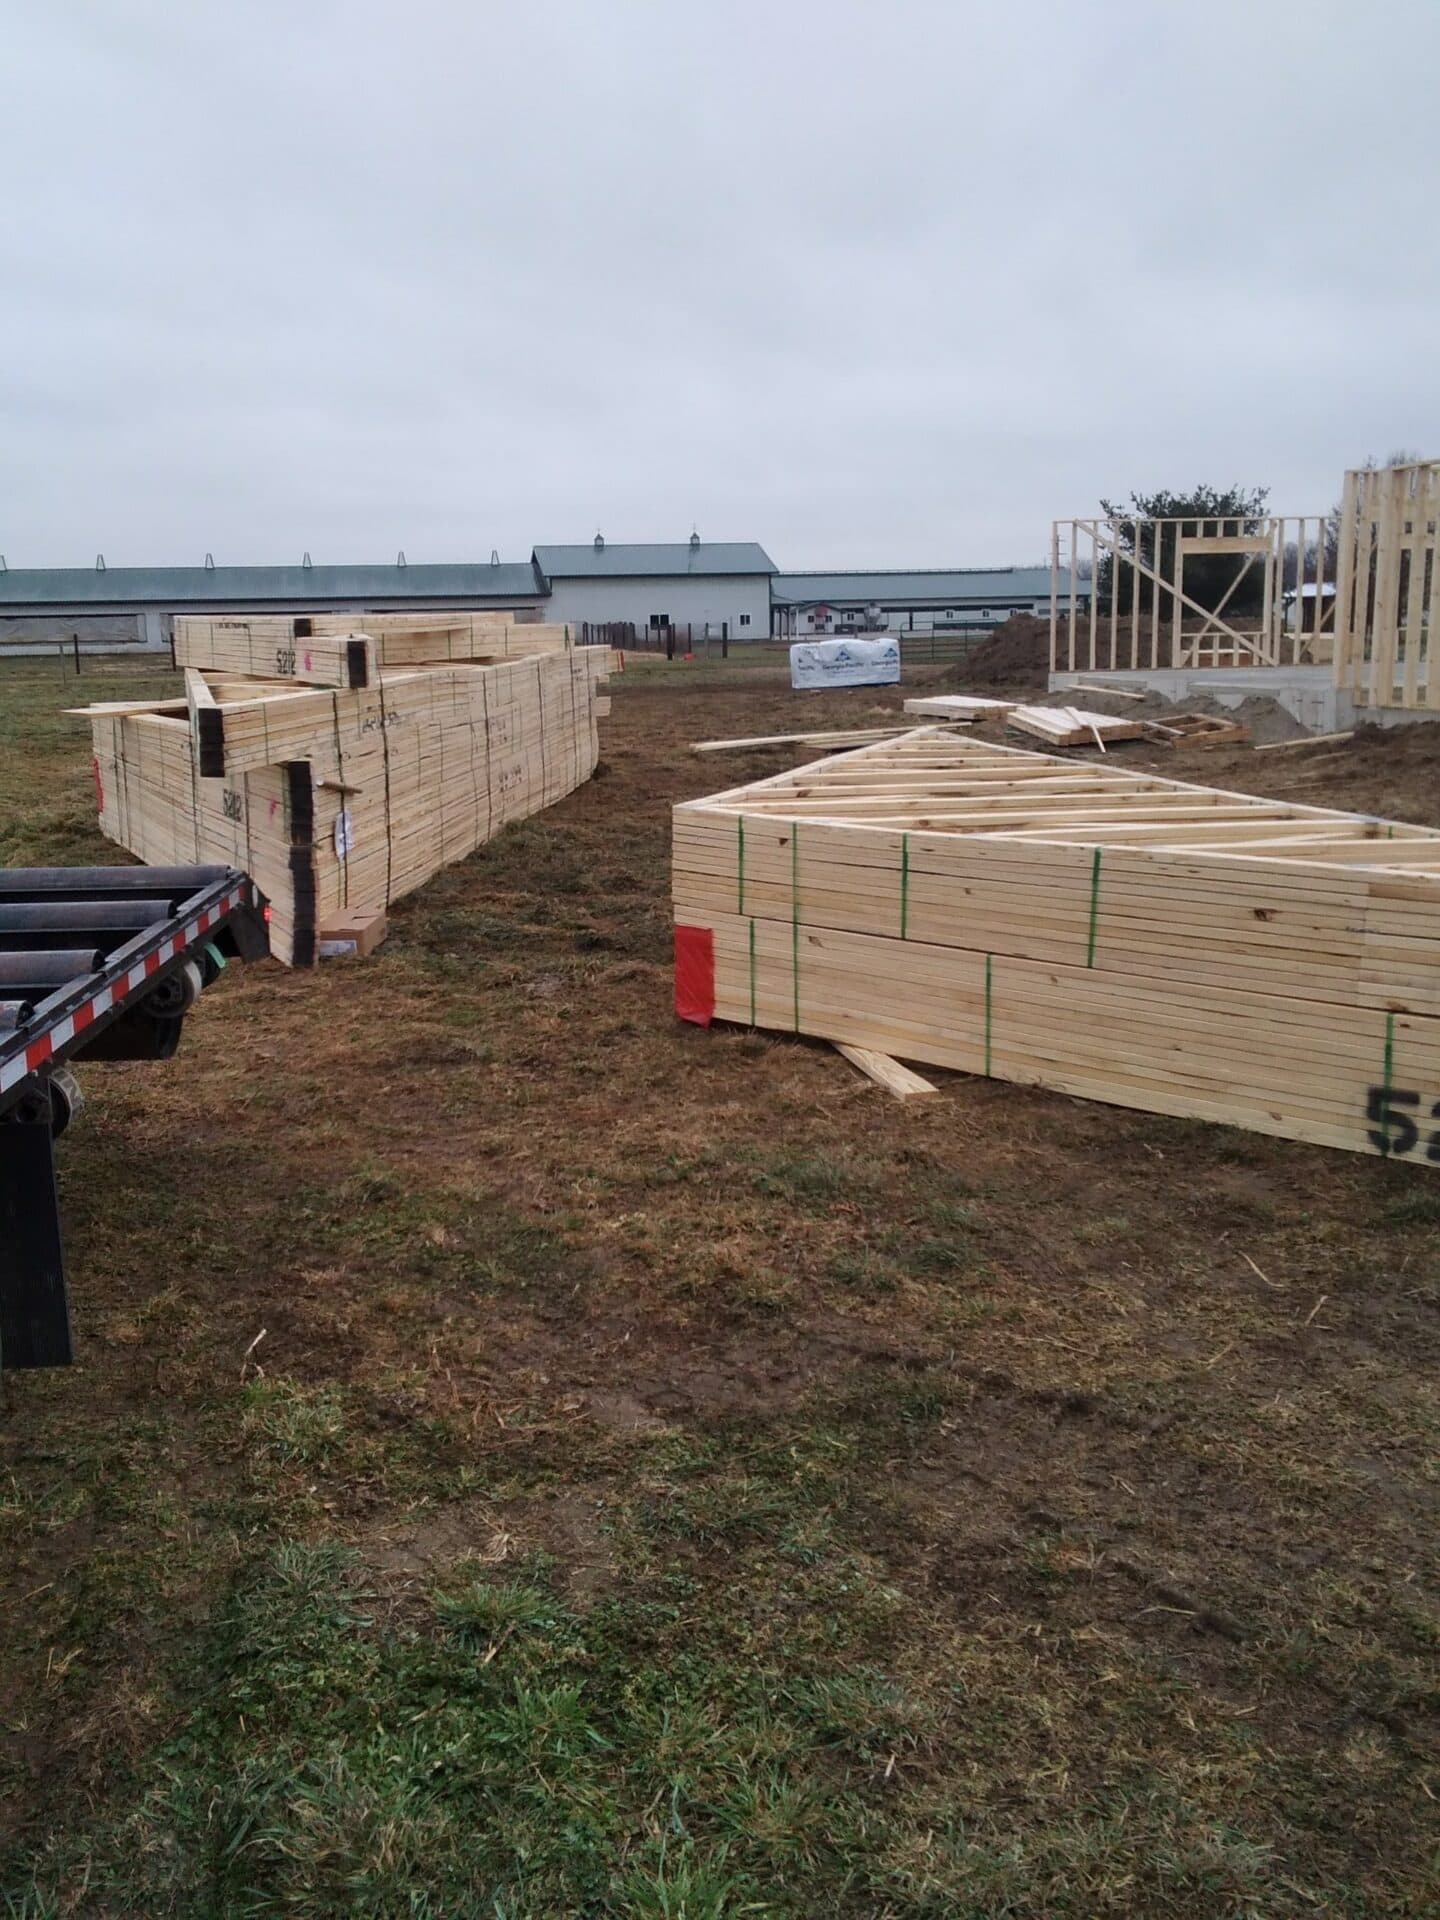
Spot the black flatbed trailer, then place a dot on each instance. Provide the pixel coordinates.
(96, 963)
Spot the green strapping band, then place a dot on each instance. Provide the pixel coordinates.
(795, 915)
(988, 1011)
(904, 883)
(740, 856)
(1094, 908)
(752, 973)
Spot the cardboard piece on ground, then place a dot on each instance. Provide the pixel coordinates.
(355, 934)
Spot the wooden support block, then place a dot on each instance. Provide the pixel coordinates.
(896, 1079)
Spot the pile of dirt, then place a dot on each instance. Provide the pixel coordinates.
(1267, 721)
(1016, 655)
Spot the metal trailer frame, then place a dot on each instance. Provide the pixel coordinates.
(125, 999)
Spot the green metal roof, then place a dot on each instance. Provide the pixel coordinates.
(947, 587)
(677, 557)
(25, 587)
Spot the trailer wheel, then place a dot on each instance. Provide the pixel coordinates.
(175, 996)
(67, 1101)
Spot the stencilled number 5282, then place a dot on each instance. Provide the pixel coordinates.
(1395, 1116)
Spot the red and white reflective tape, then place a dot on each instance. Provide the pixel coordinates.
(55, 1038)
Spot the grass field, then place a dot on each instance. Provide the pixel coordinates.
(530, 1458)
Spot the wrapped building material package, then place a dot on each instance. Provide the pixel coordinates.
(845, 663)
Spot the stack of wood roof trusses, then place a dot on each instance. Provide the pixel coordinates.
(1077, 926)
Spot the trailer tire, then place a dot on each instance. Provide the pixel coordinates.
(67, 1100)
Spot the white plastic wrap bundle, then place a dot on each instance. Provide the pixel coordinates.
(845, 663)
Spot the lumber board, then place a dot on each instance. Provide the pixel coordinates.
(900, 1081)
(1305, 740)
(1119, 936)
(841, 737)
(1115, 693)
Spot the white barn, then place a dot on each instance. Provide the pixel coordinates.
(722, 586)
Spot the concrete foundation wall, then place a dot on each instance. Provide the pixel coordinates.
(1309, 693)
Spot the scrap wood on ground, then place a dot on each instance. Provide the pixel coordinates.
(840, 737)
(1196, 730)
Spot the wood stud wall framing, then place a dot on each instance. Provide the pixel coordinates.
(1149, 617)
(1389, 586)
(1370, 605)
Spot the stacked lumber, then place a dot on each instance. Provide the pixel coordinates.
(1072, 726)
(1110, 934)
(959, 706)
(345, 649)
(339, 799)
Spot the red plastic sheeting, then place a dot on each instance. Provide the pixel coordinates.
(695, 974)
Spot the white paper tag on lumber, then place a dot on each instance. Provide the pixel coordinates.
(344, 833)
(845, 663)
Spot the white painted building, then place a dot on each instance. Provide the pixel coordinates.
(955, 598)
(722, 586)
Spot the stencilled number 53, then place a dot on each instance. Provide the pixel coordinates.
(1393, 1113)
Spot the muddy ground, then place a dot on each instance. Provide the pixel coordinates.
(1009, 1504)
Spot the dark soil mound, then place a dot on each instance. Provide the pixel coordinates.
(1015, 655)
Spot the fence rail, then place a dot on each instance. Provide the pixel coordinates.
(944, 647)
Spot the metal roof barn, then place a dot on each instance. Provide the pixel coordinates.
(678, 559)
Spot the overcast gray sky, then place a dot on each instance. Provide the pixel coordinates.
(872, 283)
